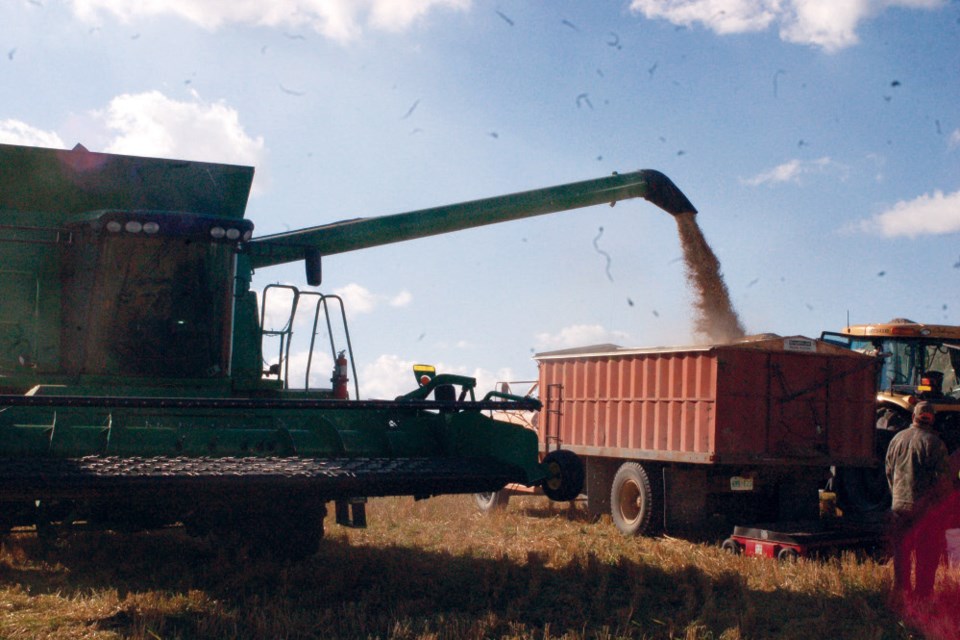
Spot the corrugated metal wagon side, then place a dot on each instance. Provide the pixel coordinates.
(690, 439)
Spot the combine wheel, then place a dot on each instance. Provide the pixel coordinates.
(295, 535)
(566, 475)
(285, 531)
(492, 500)
(299, 542)
(51, 522)
(633, 502)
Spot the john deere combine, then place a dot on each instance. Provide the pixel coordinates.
(133, 391)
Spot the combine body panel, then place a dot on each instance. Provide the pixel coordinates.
(133, 391)
(687, 438)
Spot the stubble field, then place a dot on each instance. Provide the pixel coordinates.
(438, 569)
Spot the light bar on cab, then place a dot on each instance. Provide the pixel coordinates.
(172, 224)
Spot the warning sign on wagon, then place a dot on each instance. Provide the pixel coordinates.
(804, 345)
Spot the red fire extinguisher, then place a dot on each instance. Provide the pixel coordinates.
(340, 379)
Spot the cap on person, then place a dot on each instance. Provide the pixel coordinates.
(924, 413)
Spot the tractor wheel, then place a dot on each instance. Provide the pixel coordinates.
(634, 504)
(566, 475)
(491, 501)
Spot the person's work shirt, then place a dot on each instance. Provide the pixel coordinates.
(916, 460)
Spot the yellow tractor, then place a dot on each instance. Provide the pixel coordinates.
(917, 362)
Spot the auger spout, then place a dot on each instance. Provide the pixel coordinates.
(666, 195)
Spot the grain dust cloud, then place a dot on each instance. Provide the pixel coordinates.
(716, 320)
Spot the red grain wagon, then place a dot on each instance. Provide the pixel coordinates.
(697, 439)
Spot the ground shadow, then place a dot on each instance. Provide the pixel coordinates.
(351, 591)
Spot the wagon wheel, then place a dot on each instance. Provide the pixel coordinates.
(633, 502)
(566, 475)
(491, 501)
(730, 546)
(787, 555)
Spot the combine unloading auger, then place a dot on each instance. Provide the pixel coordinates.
(360, 233)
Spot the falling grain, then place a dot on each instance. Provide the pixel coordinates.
(716, 320)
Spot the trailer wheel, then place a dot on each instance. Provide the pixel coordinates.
(730, 546)
(787, 555)
(632, 500)
(566, 475)
(491, 501)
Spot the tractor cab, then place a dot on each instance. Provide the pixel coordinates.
(919, 362)
(918, 359)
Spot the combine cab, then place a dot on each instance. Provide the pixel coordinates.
(133, 389)
(919, 362)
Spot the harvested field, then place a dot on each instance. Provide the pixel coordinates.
(438, 569)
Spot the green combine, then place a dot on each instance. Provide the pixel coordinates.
(133, 390)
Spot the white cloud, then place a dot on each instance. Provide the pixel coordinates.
(279, 303)
(386, 378)
(954, 139)
(359, 299)
(402, 299)
(578, 336)
(723, 16)
(341, 20)
(17, 132)
(321, 368)
(390, 376)
(935, 214)
(794, 170)
(827, 24)
(151, 124)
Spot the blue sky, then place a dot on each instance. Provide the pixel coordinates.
(819, 140)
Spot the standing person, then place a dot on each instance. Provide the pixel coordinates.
(916, 465)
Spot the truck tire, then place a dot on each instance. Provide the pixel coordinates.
(566, 475)
(633, 502)
(492, 501)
